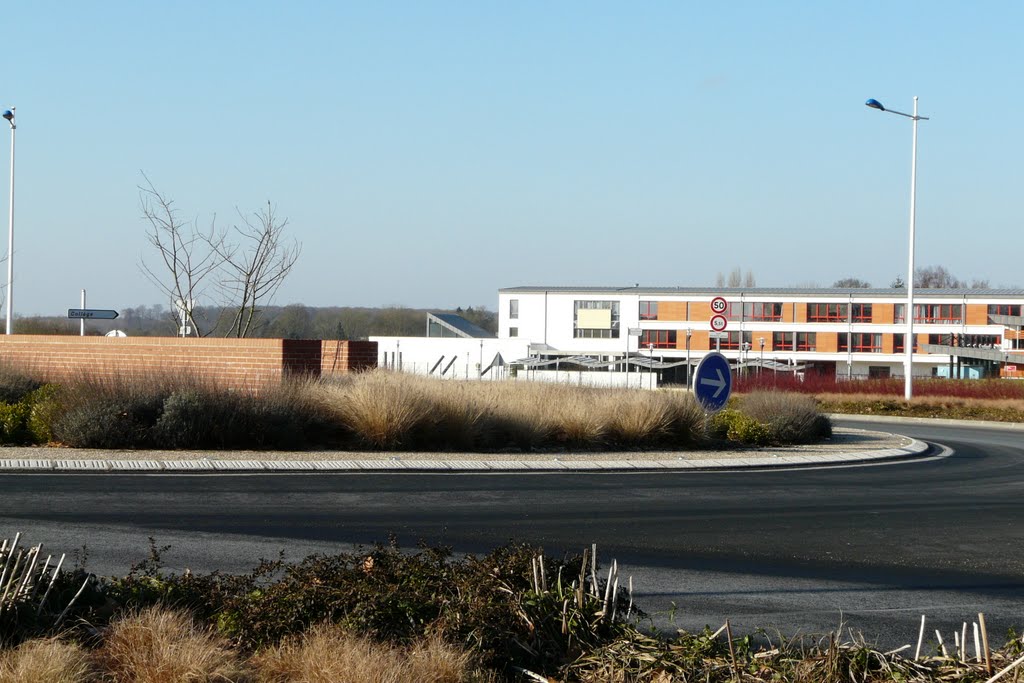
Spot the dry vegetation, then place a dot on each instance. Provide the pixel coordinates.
(379, 410)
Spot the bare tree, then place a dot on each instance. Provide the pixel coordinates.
(851, 282)
(936, 277)
(187, 256)
(255, 267)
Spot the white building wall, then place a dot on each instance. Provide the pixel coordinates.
(420, 355)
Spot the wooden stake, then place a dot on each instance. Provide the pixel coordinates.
(963, 644)
(977, 644)
(942, 645)
(920, 640)
(984, 643)
(42, 601)
(732, 650)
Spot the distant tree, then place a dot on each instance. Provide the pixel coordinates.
(979, 284)
(851, 282)
(936, 277)
(898, 283)
(293, 322)
(737, 278)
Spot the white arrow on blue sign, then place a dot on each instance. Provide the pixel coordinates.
(712, 382)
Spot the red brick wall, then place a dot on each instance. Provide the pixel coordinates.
(347, 356)
(241, 363)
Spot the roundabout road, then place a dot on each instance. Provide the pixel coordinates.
(789, 550)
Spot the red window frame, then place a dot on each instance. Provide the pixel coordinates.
(782, 341)
(860, 342)
(827, 313)
(806, 341)
(860, 313)
(648, 310)
(661, 339)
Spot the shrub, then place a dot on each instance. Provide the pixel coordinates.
(15, 385)
(14, 422)
(791, 418)
(733, 425)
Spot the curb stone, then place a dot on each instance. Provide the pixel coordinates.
(754, 461)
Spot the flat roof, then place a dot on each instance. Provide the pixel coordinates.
(888, 292)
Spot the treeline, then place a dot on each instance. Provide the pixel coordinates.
(294, 321)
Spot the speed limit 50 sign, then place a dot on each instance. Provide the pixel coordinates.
(718, 305)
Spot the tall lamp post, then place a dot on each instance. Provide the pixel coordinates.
(9, 115)
(908, 391)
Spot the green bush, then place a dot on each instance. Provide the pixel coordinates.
(733, 425)
(14, 422)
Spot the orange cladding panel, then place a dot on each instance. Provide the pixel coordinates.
(883, 314)
(977, 314)
(672, 310)
(700, 311)
(828, 342)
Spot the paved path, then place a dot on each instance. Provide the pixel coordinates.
(846, 446)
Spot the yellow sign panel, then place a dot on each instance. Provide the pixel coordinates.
(594, 319)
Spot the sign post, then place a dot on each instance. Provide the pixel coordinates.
(712, 382)
(91, 314)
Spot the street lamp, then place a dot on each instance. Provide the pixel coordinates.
(761, 367)
(908, 391)
(9, 115)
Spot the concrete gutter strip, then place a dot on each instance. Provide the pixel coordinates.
(940, 422)
(848, 446)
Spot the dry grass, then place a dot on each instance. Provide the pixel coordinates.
(329, 654)
(47, 660)
(160, 646)
(393, 411)
(382, 408)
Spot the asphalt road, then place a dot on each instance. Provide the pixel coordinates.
(793, 551)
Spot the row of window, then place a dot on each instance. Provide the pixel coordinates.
(818, 312)
(858, 342)
(949, 314)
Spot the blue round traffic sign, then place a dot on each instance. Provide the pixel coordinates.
(712, 382)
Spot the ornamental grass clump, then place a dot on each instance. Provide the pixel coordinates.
(46, 660)
(157, 645)
(383, 410)
(790, 418)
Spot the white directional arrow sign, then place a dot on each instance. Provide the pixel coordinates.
(712, 382)
(719, 384)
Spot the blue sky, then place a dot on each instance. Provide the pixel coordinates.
(429, 153)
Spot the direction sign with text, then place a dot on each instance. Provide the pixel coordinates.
(91, 313)
(712, 382)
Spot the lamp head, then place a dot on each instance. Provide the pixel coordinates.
(8, 114)
(875, 104)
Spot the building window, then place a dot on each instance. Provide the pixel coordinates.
(648, 310)
(860, 342)
(732, 340)
(860, 313)
(661, 339)
(595, 319)
(827, 313)
(763, 311)
(934, 314)
(513, 308)
(754, 310)
(513, 331)
(897, 343)
(1004, 309)
(806, 341)
(782, 341)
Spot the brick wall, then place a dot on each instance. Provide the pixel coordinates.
(239, 363)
